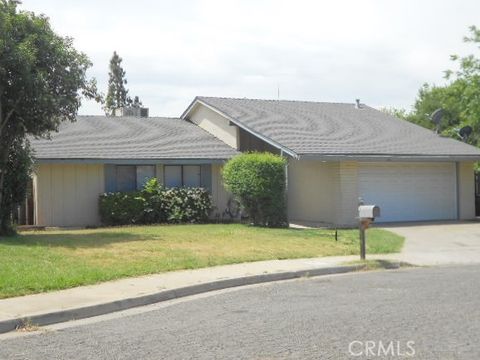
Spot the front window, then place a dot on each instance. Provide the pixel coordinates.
(182, 175)
(131, 177)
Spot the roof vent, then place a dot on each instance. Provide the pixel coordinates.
(357, 104)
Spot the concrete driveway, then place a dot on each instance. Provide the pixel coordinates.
(439, 243)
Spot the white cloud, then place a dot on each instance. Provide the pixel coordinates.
(380, 51)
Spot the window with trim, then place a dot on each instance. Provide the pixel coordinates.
(133, 177)
(182, 175)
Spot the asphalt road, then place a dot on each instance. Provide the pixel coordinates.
(430, 313)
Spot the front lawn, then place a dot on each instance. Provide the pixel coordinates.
(34, 262)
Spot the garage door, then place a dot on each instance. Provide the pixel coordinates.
(410, 191)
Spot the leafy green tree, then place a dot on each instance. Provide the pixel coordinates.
(117, 95)
(42, 81)
(459, 97)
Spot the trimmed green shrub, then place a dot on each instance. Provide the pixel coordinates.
(155, 204)
(257, 181)
(121, 208)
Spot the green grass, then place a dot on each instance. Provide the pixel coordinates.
(41, 261)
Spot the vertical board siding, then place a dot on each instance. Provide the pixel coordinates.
(310, 191)
(159, 173)
(347, 193)
(466, 191)
(220, 196)
(67, 194)
(206, 176)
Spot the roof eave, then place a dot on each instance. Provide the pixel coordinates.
(388, 157)
(146, 161)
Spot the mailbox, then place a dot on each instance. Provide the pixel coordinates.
(368, 212)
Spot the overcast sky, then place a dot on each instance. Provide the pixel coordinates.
(378, 51)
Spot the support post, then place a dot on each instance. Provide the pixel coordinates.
(362, 240)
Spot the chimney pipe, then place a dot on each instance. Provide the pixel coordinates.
(357, 103)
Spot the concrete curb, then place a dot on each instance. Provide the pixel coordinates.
(123, 304)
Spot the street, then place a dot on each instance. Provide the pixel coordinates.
(419, 313)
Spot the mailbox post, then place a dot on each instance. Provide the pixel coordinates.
(366, 215)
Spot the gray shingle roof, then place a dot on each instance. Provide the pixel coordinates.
(101, 137)
(315, 128)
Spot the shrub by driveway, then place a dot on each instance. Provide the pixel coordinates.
(35, 262)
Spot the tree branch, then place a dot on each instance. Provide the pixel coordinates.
(7, 117)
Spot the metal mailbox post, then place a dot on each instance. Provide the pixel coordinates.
(366, 215)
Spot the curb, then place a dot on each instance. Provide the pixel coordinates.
(124, 304)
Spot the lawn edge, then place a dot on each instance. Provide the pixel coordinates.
(54, 317)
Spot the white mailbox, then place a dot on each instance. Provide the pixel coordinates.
(368, 212)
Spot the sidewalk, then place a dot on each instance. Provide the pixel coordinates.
(93, 300)
(424, 246)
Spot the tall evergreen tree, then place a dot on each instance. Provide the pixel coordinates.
(117, 95)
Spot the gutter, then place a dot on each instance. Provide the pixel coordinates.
(388, 157)
(176, 161)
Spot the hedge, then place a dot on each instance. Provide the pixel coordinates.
(257, 181)
(155, 204)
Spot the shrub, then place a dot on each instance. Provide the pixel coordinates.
(257, 180)
(155, 207)
(187, 205)
(156, 204)
(121, 208)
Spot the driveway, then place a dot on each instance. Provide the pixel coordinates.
(439, 243)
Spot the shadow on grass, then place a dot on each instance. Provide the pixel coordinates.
(72, 240)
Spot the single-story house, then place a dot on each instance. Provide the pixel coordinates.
(337, 153)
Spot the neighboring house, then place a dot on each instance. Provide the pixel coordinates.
(337, 153)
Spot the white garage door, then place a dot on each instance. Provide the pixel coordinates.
(410, 191)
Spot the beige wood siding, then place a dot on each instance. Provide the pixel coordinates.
(466, 190)
(220, 195)
(159, 173)
(346, 193)
(215, 124)
(311, 195)
(67, 194)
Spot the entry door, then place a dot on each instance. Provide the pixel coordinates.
(410, 191)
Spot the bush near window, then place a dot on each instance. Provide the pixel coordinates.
(155, 204)
(121, 208)
(257, 181)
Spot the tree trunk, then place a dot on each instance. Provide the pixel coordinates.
(4, 217)
(2, 154)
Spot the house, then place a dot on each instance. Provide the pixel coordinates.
(337, 153)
